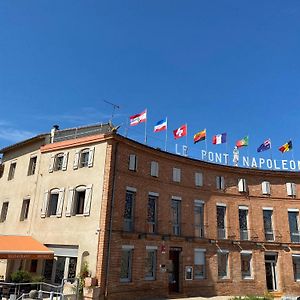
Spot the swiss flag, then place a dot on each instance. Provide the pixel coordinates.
(180, 132)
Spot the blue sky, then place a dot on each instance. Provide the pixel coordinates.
(228, 66)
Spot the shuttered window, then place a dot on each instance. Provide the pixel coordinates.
(220, 183)
(198, 179)
(176, 175)
(265, 187)
(242, 186)
(132, 162)
(154, 168)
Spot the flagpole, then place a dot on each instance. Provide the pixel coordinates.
(292, 150)
(248, 148)
(271, 153)
(227, 150)
(127, 126)
(166, 134)
(205, 143)
(145, 141)
(186, 138)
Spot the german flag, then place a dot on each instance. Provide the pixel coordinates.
(286, 147)
(200, 136)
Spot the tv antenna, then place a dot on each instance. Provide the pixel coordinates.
(114, 108)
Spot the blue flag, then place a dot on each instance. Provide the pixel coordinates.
(266, 145)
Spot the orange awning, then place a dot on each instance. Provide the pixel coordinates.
(23, 247)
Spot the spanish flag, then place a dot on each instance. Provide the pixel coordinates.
(200, 136)
(286, 147)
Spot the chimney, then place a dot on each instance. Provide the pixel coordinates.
(52, 133)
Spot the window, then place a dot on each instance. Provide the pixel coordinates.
(246, 263)
(129, 210)
(32, 166)
(291, 189)
(12, 170)
(242, 185)
(198, 179)
(268, 226)
(220, 183)
(4, 211)
(58, 162)
(265, 188)
(1, 168)
(223, 264)
(199, 262)
(25, 210)
(154, 168)
(294, 226)
(243, 222)
(79, 202)
(151, 212)
(176, 175)
(221, 221)
(132, 162)
(126, 263)
(150, 263)
(296, 267)
(175, 207)
(53, 203)
(84, 158)
(199, 218)
(33, 265)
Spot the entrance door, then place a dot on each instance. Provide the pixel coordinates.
(271, 278)
(174, 270)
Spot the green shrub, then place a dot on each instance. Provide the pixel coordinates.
(250, 297)
(21, 276)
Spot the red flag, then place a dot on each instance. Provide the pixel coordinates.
(180, 132)
(138, 118)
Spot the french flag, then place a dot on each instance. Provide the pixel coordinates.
(161, 125)
(219, 139)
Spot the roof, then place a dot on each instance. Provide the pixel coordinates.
(18, 247)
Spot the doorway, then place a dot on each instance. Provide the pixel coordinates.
(174, 255)
(271, 276)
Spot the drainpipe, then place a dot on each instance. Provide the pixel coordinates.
(110, 221)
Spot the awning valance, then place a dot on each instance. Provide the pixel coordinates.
(23, 247)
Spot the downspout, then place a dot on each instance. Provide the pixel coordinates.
(110, 221)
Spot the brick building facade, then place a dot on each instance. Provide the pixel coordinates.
(152, 224)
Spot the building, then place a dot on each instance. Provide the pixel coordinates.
(149, 223)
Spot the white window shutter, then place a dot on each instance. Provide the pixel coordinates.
(87, 200)
(176, 175)
(289, 189)
(76, 160)
(70, 202)
(51, 165)
(45, 204)
(60, 202)
(222, 183)
(65, 161)
(198, 179)
(91, 157)
(242, 185)
(132, 162)
(294, 189)
(266, 188)
(154, 168)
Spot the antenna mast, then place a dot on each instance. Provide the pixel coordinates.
(114, 108)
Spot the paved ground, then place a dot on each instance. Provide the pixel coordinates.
(200, 298)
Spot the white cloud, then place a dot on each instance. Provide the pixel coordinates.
(14, 135)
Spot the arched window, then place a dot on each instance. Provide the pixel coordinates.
(52, 202)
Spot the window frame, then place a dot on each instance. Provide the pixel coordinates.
(176, 224)
(153, 251)
(129, 251)
(223, 229)
(32, 165)
(25, 209)
(198, 179)
(220, 183)
(220, 253)
(128, 223)
(244, 232)
(243, 275)
(50, 206)
(176, 174)
(12, 170)
(203, 253)
(132, 162)
(199, 228)
(294, 257)
(152, 225)
(154, 169)
(4, 211)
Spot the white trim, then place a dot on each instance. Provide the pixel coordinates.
(221, 204)
(243, 207)
(131, 189)
(153, 194)
(151, 247)
(176, 198)
(222, 251)
(293, 210)
(199, 250)
(246, 252)
(199, 201)
(296, 254)
(127, 247)
(267, 208)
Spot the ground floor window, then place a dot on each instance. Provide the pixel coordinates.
(246, 263)
(199, 262)
(126, 263)
(296, 267)
(223, 264)
(150, 264)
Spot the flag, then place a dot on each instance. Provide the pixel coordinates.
(243, 142)
(200, 136)
(286, 147)
(180, 132)
(161, 125)
(219, 138)
(266, 145)
(139, 118)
